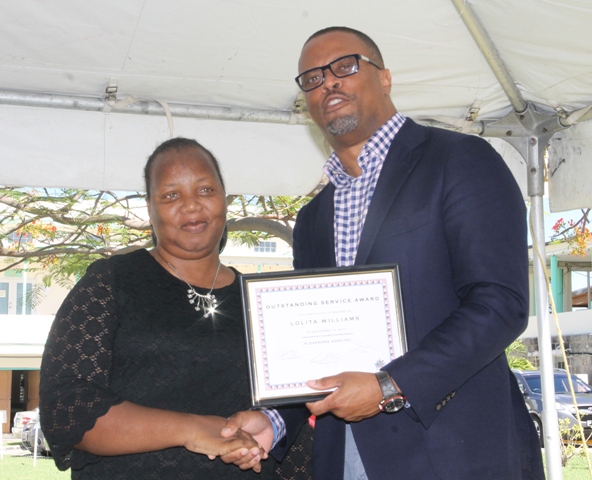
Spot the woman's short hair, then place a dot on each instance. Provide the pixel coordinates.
(178, 144)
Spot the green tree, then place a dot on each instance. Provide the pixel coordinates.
(516, 354)
(64, 230)
(570, 441)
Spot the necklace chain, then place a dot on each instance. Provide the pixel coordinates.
(207, 302)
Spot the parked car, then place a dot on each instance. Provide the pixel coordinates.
(28, 438)
(530, 384)
(21, 419)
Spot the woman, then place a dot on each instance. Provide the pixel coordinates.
(146, 357)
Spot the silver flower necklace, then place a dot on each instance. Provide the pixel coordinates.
(207, 302)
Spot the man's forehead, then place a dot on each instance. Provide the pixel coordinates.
(329, 46)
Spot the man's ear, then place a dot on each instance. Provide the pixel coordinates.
(385, 80)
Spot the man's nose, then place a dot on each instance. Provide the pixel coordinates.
(331, 81)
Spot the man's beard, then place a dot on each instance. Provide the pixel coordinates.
(342, 125)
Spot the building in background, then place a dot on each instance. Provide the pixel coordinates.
(569, 277)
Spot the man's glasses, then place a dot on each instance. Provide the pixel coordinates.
(342, 67)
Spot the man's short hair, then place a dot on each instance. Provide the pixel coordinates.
(375, 51)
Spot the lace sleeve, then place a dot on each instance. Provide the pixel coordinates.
(76, 366)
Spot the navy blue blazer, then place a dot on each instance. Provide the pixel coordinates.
(448, 211)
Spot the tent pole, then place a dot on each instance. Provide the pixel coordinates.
(491, 55)
(550, 421)
(140, 106)
(529, 133)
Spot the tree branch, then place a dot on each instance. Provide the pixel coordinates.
(257, 224)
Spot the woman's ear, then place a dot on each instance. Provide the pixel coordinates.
(224, 239)
(153, 235)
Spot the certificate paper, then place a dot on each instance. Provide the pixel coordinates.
(308, 324)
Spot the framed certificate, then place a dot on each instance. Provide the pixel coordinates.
(307, 324)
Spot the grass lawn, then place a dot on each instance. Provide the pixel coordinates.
(21, 468)
(576, 469)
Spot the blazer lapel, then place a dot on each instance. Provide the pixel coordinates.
(400, 160)
(324, 232)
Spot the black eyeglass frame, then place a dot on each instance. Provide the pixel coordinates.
(357, 56)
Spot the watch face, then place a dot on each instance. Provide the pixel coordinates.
(392, 405)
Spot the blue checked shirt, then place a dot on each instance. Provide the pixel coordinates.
(353, 194)
(278, 424)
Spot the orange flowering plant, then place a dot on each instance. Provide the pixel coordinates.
(575, 233)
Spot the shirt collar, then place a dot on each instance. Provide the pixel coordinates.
(378, 144)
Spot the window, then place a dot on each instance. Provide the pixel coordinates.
(23, 237)
(23, 299)
(265, 247)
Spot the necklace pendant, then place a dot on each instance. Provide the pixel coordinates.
(207, 302)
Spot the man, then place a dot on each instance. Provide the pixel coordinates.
(446, 209)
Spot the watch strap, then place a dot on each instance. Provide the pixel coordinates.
(386, 384)
(392, 400)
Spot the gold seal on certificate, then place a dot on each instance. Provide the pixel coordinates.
(307, 324)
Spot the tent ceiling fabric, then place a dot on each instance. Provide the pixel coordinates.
(108, 152)
(243, 53)
(569, 188)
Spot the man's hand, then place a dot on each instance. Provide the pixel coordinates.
(206, 439)
(356, 397)
(257, 425)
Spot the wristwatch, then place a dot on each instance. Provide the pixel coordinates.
(392, 400)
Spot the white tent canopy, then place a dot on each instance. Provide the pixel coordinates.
(242, 55)
(84, 87)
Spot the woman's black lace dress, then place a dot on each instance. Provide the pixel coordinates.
(127, 332)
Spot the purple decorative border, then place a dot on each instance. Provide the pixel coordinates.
(259, 291)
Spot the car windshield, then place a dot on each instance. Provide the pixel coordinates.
(561, 384)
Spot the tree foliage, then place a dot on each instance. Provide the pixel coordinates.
(570, 441)
(62, 231)
(516, 355)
